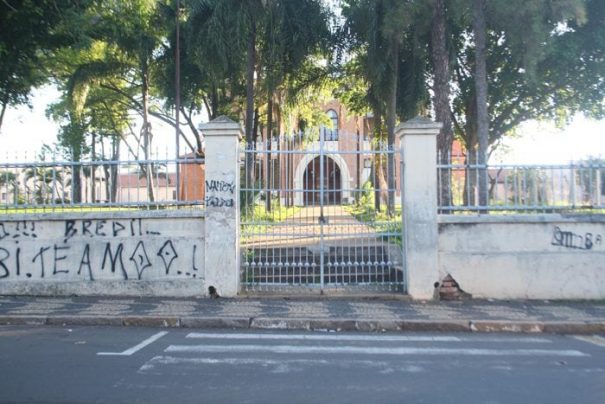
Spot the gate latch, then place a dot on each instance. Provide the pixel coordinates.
(322, 220)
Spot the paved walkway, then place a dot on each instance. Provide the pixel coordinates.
(303, 229)
(338, 314)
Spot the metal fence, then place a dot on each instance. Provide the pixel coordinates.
(101, 184)
(315, 218)
(575, 187)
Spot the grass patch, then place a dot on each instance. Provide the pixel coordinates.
(259, 221)
(277, 214)
(389, 228)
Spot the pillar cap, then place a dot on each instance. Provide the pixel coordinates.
(221, 126)
(419, 126)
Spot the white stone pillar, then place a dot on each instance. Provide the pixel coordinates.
(419, 200)
(222, 182)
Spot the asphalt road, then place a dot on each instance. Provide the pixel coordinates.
(104, 364)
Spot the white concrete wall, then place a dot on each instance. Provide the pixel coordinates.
(525, 256)
(159, 253)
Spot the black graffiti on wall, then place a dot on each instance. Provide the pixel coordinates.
(106, 228)
(129, 256)
(569, 239)
(218, 202)
(51, 260)
(214, 187)
(220, 186)
(18, 230)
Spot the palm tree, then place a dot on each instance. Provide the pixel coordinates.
(47, 183)
(227, 30)
(293, 30)
(9, 183)
(380, 29)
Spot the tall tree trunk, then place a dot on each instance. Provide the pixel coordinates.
(3, 110)
(250, 67)
(76, 176)
(391, 121)
(111, 170)
(196, 134)
(278, 160)
(480, 31)
(115, 156)
(382, 182)
(470, 144)
(441, 90)
(147, 135)
(377, 160)
(268, 173)
(214, 103)
(470, 176)
(93, 167)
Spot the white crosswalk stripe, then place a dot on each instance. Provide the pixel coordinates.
(348, 337)
(292, 349)
(407, 353)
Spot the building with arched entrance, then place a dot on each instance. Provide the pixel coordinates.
(333, 170)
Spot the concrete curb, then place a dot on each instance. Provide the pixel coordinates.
(314, 324)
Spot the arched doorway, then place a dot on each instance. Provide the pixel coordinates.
(312, 179)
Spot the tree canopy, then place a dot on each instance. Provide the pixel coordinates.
(255, 60)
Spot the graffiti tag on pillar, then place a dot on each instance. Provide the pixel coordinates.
(219, 194)
(219, 202)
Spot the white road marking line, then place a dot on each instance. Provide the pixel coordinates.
(323, 337)
(592, 339)
(156, 361)
(344, 337)
(137, 347)
(290, 349)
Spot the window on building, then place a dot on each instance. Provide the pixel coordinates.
(331, 132)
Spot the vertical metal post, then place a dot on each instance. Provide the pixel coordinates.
(321, 208)
(572, 181)
(93, 170)
(177, 95)
(403, 229)
(358, 162)
(598, 186)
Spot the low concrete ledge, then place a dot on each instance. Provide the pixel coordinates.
(280, 323)
(215, 323)
(313, 324)
(23, 320)
(148, 321)
(84, 320)
(333, 325)
(377, 325)
(435, 326)
(574, 328)
(506, 326)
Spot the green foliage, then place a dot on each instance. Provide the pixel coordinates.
(31, 31)
(277, 214)
(388, 226)
(114, 58)
(553, 76)
(385, 40)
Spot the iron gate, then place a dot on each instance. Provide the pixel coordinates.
(315, 215)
